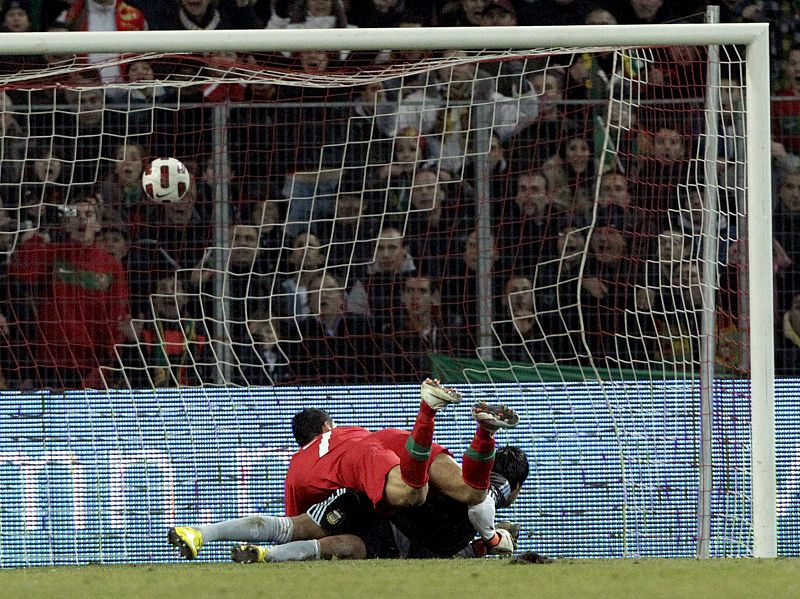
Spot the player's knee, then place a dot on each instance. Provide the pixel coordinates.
(414, 497)
(474, 496)
(343, 547)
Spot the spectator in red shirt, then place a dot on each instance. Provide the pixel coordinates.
(82, 310)
(786, 109)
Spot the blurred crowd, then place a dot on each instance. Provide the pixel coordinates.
(331, 235)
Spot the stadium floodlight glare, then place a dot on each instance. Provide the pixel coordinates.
(637, 394)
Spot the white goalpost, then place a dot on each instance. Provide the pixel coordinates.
(582, 375)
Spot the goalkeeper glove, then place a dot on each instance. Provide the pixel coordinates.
(502, 543)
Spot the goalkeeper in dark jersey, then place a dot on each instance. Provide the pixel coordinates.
(440, 528)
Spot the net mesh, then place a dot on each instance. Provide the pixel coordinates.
(541, 219)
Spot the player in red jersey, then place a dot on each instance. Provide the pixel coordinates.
(391, 467)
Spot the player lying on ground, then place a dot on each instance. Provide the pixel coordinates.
(440, 528)
(392, 467)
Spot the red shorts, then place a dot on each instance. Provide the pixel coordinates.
(366, 465)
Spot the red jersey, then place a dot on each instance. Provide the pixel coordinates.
(786, 121)
(86, 294)
(348, 457)
(312, 474)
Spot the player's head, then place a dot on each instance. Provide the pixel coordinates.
(308, 423)
(512, 463)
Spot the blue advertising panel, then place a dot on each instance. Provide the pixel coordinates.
(99, 477)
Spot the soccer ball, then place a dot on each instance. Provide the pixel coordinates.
(165, 180)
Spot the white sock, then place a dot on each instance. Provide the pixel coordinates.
(256, 529)
(295, 551)
(482, 517)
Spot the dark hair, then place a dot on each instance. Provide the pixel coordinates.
(512, 463)
(308, 423)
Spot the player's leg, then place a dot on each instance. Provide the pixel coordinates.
(336, 546)
(415, 459)
(477, 466)
(344, 510)
(468, 483)
(257, 528)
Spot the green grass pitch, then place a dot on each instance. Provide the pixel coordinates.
(461, 579)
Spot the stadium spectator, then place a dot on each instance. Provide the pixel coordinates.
(312, 122)
(17, 309)
(786, 107)
(607, 294)
(351, 234)
(783, 17)
(261, 359)
(460, 287)
(13, 129)
(615, 204)
(554, 12)
(661, 167)
(541, 139)
(379, 290)
(116, 240)
(642, 12)
(433, 226)
(676, 316)
(375, 13)
(517, 327)
(206, 15)
(786, 221)
(577, 163)
(690, 219)
(304, 262)
(418, 331)
(589, 74)
(334, 347)
(172, 237)
(530, 224)
(78, 111)
(248, 276)
(308, 14)
(499, 13)
(124, 200)
(139, 103)
(672, 248)
(104, 15)
(173, 345)
(440, 110)
(82, 292)
(41, 14)
(556, 303)
(394, 179)
(267, 215)
(462, 13)
(369, 126)
(43, 189)
(787, 341)
(15, 16)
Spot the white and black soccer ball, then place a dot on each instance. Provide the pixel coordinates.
(166, 180)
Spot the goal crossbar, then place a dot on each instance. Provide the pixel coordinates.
(447, 38)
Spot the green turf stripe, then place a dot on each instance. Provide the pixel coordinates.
(418, 452)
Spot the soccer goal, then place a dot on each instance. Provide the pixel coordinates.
(575, 221)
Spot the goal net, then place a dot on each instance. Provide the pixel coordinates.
(564, 229)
